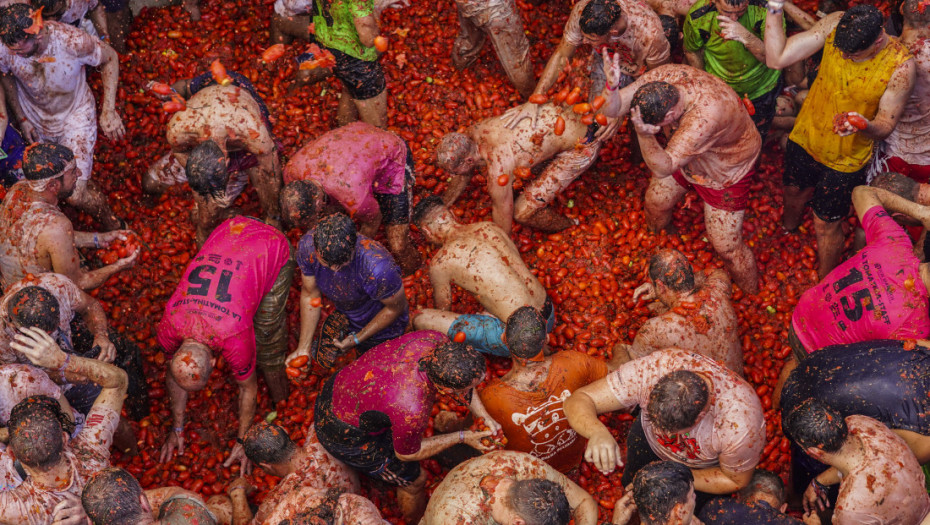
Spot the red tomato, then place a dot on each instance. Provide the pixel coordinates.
(219, 73)
(298, 362)
(503, 180)
(381, 43)
(601, 119)
(273, 53)
(459, 337)
(559, 126)
(857, 121)
(539, 99)
(598, 102)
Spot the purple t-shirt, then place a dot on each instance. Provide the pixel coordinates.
(358, 288)
(388, 379)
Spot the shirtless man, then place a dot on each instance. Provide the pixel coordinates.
(221, 142)
(230, 302)
(36, 237)
(509, 487)
(865, 74)
(670, 13)
(39, 432)
(696, 316)
(52, 100)
(713, 149)
(113, 497)
(695, 412)
(496, 149)
(906, 149)
(482, 259)
(527, 401)
(880, 480)
(367, 172)
(305, 504)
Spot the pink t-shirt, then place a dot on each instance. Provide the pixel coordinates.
(221, 289)
(875, 294)
(388, 379)
(888, 487)
(352, 163)
(643, 40)
(731, 433)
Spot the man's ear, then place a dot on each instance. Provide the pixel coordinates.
(813, 452)
(678, 513)
(783, 508)
(517, 520)
(144, 501)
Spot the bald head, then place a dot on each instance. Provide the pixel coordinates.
(192, 365)
(671, 268)
(453, 152)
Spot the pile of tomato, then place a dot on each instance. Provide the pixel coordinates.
(589, 270)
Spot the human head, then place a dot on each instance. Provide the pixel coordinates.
(114, 497)
(599, 17)
(537, 502)
(677, 400)
(51, 9)
(191, 365)
(525, 333)
(455, 366)
(664, 493)
(765, 486)
(50, 166)
(322, 513)
(206, 170)
(334, 240)
(180, 512)
(732, 9)
(816, 427)
(268, 446)
(656, 102)
(830, 6)
(859, 28)
(457, 154)
(916, 13)
(671, 30)
(38, 432)
(14, 20)
(671, 274)
(425, 213)
(900, 185)
(300, 204)
(34, 307)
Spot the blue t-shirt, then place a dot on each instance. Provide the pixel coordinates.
(358, 288)
(728, 511)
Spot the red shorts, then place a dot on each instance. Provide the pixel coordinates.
(915, 171)
(732, 198)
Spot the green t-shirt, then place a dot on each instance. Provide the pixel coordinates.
(335, 26)
(728, 59)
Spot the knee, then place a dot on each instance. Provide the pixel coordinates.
(522, 210)
(727, 246)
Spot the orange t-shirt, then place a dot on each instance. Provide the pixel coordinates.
(533, 421)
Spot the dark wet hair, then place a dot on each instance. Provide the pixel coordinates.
(677, 400)
(671, 30)
(322, 513)
(654, 100)
(334, 239)
(858, 29)
(301, 195)
(44, 160)
(671, 268)
(423, 208)
(453, 365)
(832, 6)
(525, 332)
(539, 502)
(599, 16)
(34, 307)
(916, 13)
(112, 497)
(816, 424)
(36, 425)
(764, 482)
(206, 170)
(268, 443)
(14, 20)
(658, 487)
(897, 183)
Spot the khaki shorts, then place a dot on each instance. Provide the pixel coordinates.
(270, 321)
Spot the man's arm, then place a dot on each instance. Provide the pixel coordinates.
(248, 401)
(718, 480)
(442, 285)
(96, 319)
(559, 59)
(393, 307)
(310, 303)
(266, 177)
(892, 103)
(657, 158)
(866, 197)
(98, 17)
(781, 52)
(431, 446)
(799, 16)
(177, 400)
(58, 240)
(582, 409)
(19, 118)
(457, 184)
(110, 121)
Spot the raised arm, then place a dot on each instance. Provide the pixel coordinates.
(866, 197)
(781, 52)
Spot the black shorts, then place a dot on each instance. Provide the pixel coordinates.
(362, 79)
(395, 209)
(833, 189)
(112, 6)
(765, 109)
(369, 450)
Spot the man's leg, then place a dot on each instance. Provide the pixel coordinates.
(725, 231)
(432, 319)
(513, 50)
(829, 244)
(270, 323)
(800, 179)
(268, 186)
(373, 110)
(661, 197)
(532, 207)
(347, 111)
(284, 29)
(398, 237)
(796, 200)
(412, 499)
(88, 198)
(468, 43)
(193, 8)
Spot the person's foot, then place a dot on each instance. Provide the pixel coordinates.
(547, 220)
(193, 9)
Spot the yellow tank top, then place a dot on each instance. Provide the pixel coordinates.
(843, 85)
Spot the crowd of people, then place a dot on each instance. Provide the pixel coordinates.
(703, 85)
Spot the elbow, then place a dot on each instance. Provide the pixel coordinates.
(120, 380)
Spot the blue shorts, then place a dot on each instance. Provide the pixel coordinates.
(11, 166)
(486, 332)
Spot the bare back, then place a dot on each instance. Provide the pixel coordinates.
(228, 115)
(483, 260)
(710, 329)
(23, 220)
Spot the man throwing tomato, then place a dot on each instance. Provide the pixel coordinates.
(230, 302)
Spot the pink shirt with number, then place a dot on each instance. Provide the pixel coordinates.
(352, 163)
(730, 434)
(221, 289)
(875, 294)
